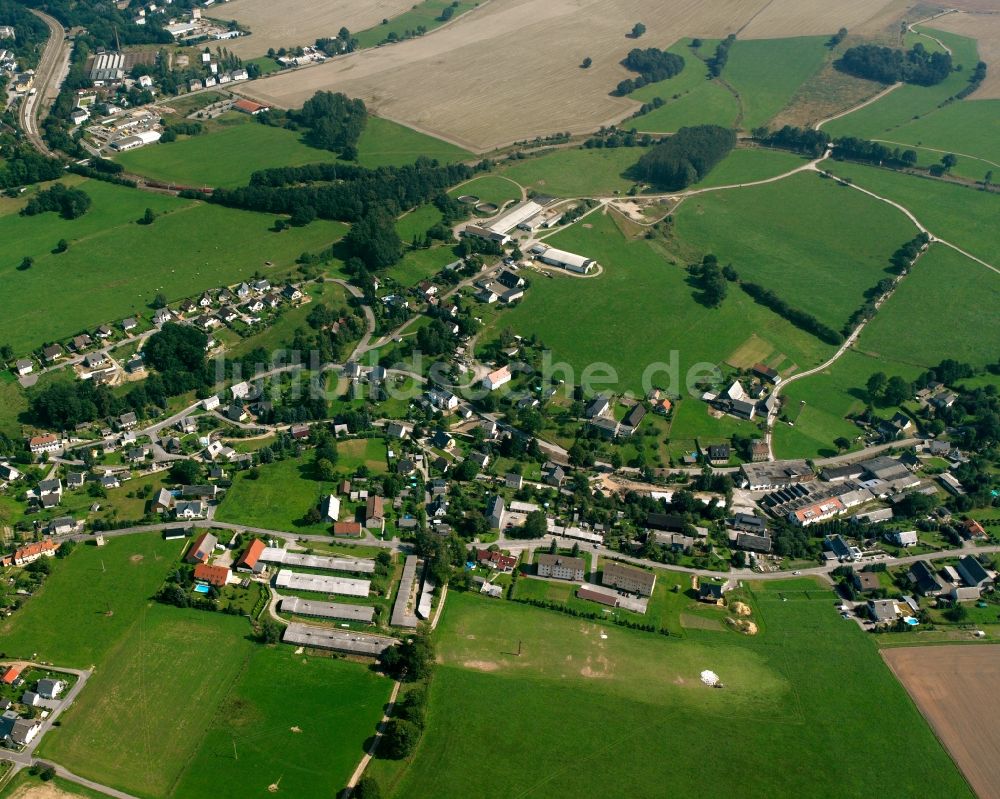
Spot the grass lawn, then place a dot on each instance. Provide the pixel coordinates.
(417, 265)
(386, 143)
(641, 312)
(417, 221)
(829, 397)
(170, 659)
(692, 421)
(747, 165)
(787, 701)
(120, 576)
(114, 267)
(489, 189)
(225, 157)
(307, 740)
(278, 499)
(426, 14)
(767, 72)
(908, 106)
(576, 172)
(367, 452)
(957, 290)
(807, 239)
(959, 214)
(12, 404)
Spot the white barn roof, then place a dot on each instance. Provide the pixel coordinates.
(322, 584)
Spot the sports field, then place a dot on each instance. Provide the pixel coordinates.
(640, 311)
(808, 239)
(956, 688)
(114, 266)
(485, 101)
(952, 212)
(588, 708)
(306, 740)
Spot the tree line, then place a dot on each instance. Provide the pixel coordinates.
(889, 65)
(796, 316)
(800, 140)
(652, 64)
(686, 157)
(718, 61)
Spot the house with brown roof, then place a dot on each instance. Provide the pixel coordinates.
(865, 581)
(202, 548)
(250, 561)
(496, 560)
(348, 530)
(213, 575)
(375, 513)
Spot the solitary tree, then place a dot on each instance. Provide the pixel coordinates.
(949, 161)
(149, 217)
(841, 444)
(61, 246)
(637, 30)
(26, 263)
(587, 62)
(987, 178)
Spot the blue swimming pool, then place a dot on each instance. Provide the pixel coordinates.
(201, 589)
(911, 621)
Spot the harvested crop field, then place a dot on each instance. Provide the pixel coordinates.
(985, 29)
(300, 22)
(509, 69)
(957, 688)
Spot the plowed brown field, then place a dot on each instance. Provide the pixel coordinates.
(957, 688)
(509, 69)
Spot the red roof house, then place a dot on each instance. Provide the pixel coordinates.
(250, 562)
(11, 675)
(213, 575)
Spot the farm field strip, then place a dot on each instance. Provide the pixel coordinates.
(483, 103)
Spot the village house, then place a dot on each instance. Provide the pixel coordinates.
(201, 548)
(628, 578)
(375, 513)
(496, 560)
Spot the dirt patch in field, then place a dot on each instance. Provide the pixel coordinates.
(136, 559)
(510, 70)
(957, 688)
(41, 792)
(985, 29)
(481, 665)
(291, 23)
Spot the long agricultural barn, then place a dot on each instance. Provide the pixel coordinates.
(515, 216)
(283, 556)
(337, 640)
(567, 260)
(321, 584)
(327, 610)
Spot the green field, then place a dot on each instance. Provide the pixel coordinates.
(764, 73)
(114, 266)
(627, 715)
(489, 189)
(748, 165)
(938, 313)
(808, 239)
(417, 265)
(576, 172)
(901, 108)
(639, 310)
(143, 713)
(285, 490)
(767, 72)
(426, 13)
(416, 222)
(386, 143)
(67, 622)
(227, 156)
(307, 739)
(12, 404)
(955, 213)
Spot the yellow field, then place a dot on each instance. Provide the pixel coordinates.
(509, 69)
(985, 29)
(289, 23)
